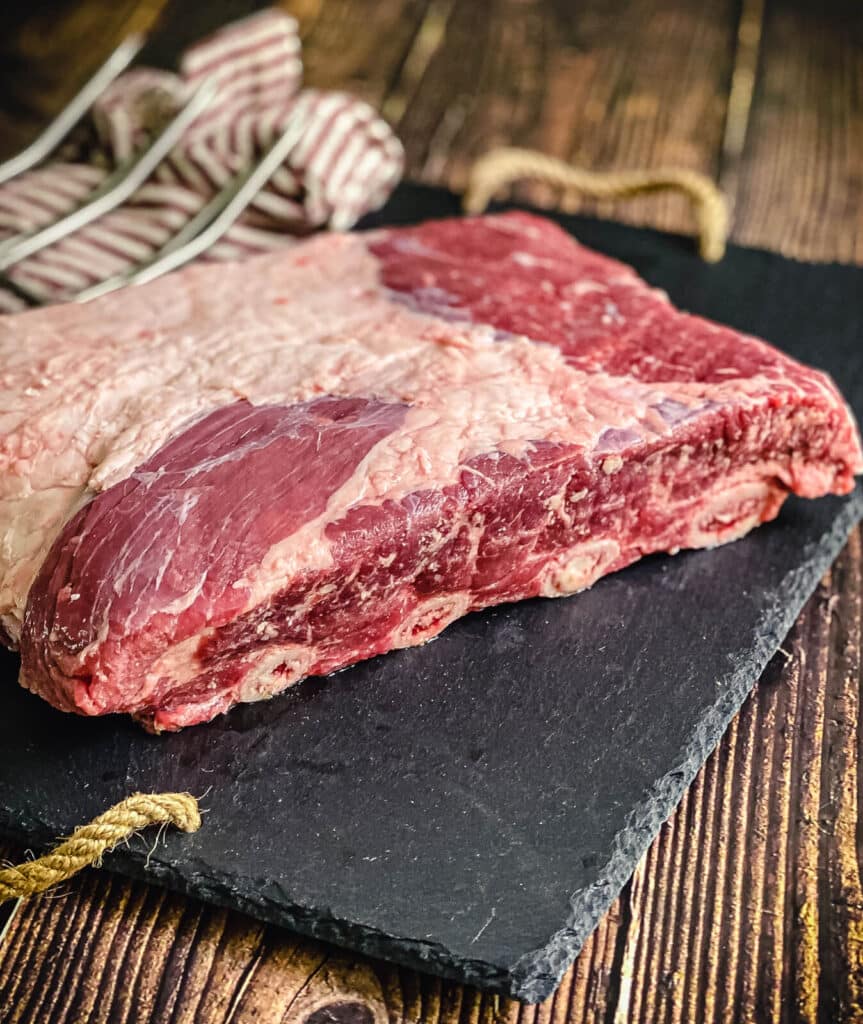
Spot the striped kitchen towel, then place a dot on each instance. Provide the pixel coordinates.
(347, 161)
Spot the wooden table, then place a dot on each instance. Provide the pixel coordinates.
(748, 906)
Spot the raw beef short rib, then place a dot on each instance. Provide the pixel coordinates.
(217, 484)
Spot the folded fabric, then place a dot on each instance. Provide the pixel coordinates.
(346, 163)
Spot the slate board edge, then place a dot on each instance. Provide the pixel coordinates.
(536, 975)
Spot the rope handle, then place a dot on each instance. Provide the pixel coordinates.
(505, 165)
(88, 843)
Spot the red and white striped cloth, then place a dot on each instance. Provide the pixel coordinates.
(347, 161)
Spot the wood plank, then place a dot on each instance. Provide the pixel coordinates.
(605, 86)
(801, 174)
(48, 51)
(111, 951)
(357, 45)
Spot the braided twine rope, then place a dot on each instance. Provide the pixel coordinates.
(88, 843)
(505, 165)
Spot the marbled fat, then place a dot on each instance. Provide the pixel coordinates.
(239, 475)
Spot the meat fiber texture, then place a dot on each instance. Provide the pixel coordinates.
(240, 475)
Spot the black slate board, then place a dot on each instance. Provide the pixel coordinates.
(472, 807)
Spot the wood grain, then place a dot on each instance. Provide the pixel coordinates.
(801, 175)
(623, 84)
(749, 905)
(358, 45)
(48, 49)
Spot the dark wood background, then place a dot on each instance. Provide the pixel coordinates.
(749, 905)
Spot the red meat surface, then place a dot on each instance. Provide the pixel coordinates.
(242, 475)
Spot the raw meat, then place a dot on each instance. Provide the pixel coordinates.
(237, 476)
